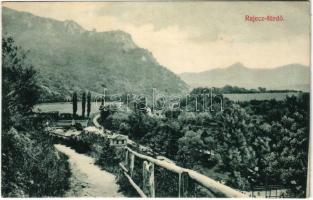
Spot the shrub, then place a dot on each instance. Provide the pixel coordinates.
(31, 166)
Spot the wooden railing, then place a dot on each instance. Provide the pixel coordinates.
(148, 183)
(148, 169)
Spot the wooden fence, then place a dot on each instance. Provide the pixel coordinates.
(148, 188)
(181, 177)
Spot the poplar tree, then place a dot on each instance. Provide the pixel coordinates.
(88, 103)
(74, 101)
(83, 104)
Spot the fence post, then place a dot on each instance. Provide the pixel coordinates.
(144, 177)
(148, 178)
(151, 181)
(132, 164)
(183, 184)
(126, 158)
(179, 185)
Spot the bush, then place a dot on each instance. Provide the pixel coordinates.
(108, 157)
(32, 167)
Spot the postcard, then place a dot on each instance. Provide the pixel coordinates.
(155, 99)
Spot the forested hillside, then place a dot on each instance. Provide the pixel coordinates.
(70, 58)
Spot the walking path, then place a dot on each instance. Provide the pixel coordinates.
(88, 179)
(95, 121)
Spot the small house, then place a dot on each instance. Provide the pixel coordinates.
(118, 140)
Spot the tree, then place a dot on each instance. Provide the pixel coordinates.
(107, 156)
(26, 151)
(190, 146)
(88, 103)
(74, 101)
(160, 136)
(261, 89)
(234, 139)
(20, 90)
(83, 104)
(102, 101)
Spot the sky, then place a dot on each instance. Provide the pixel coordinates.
(196, 36)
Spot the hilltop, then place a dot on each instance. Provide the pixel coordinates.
(293, 77)
(69, 58)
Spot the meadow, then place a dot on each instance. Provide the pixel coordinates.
(66, 107)
(260, 96)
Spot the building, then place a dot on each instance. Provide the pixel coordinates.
(118, 140)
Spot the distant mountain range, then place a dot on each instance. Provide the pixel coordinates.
(293, 76)
(70, 58)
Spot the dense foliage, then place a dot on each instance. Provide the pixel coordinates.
(20, 91)
(31, 167)
(255, 143)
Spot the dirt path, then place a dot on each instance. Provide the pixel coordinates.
(95, 121)
(87, 178)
